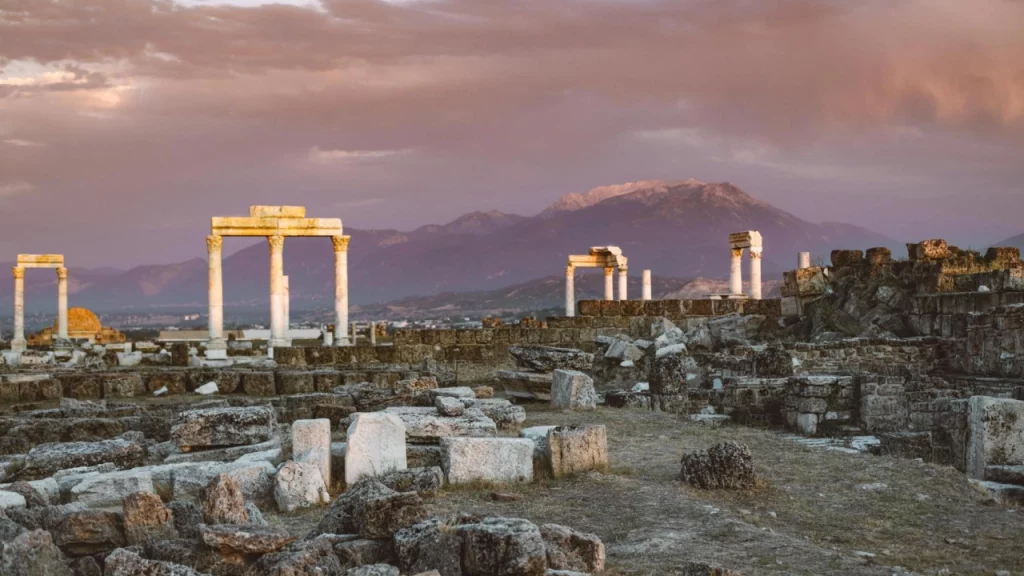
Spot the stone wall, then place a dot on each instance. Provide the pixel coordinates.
(946, 315)
(677, 310)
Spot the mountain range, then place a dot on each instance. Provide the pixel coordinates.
(677, 229)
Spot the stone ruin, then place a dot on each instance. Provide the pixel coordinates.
(918, 358)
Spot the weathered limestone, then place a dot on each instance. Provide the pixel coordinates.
(216, 427)
(548, 358)
(108, 490)
(32, 554)
(498, 460)
(311, 443)
(54, 261)
(427, 426)
(372, 510)
(645, 285)
(245, 539)
(376, 445)
(224, 502)
(46, 459)
(299, 485)
(573, 390)
(568, 549)
(527, 385)
(575, 449)
(727, 465)
(995, 434)
(146, 517)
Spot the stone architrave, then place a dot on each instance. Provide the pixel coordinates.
(572, 390)
(53, 261)
(311, 443)
(376, 446)
(274, 223)
(609, 258)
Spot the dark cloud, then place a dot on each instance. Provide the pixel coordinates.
(155, 115)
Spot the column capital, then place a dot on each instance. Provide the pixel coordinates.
(755, 253)
(276, 243)
(609, 270)
(340, 243)
(19, 272)
(737, 252)
(62, 273)
(623, 269)
(214, 243)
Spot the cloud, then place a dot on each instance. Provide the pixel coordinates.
(10, 189)
(320, 156)
(23, 143)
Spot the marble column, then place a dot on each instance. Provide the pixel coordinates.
(623, 284)
(287, 303)
(355, 334)
(277, 326)
(736, 272)
(609, 283)
(373, 333)
(62, 303)
(18, 344)
(755, 272)
(570, 290)
(646, 285)
(216, 347)
(341, 290)
(804, 260)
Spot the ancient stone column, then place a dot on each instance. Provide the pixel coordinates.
(373, 333)
(341, 290)
(287, 303)
(804, 260)
(355, 334)
(277, 325)
(216, 348)
(18, 344)
(623, 284)
(646, 284)
(736, 272)
(609, 283)
(755, 272)
(62, 303)
(570, 290)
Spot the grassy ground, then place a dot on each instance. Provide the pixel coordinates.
(816, 512)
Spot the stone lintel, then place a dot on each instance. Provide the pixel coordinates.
(748, 239)
(240, 226)
(597, 261)
(603, 250)
(41, 260)
(277, 211)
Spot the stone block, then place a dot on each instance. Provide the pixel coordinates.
(727, 465)
(572, 390)
(46, 459)
(294, 382)
(995, 435)
(289, 356)
(259, 384)
(844, 258)
(320, 355)
(175, 382)
(497, 460)
(311, 443)
(575, 449)
(123, 385)
(375, 445)
(109, 490)
(227, 381)
(299, 485)
(423, 425)
(214, 427)
(506, 416)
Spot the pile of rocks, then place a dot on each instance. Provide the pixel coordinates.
(533, 378)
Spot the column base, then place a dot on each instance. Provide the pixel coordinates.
(217, 349)
(342, 341)
(19, 345)
(278, 343)
(62, 343)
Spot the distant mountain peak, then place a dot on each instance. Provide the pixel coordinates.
(478, 222)
(579, 201)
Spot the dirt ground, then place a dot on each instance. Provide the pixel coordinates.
(817, 511)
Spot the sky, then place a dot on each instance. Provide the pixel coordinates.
(126, 124)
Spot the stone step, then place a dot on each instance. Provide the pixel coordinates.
(1002, 493)
(1005, 474)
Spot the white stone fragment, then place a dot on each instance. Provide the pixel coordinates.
(641, 387)
(299, 485)
(572, 390)
(11, 500)
(311, 444)
(208, 388)
(108, 490)
(161, 391)
(498, 460)
(375, 445)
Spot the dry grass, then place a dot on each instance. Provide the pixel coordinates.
(809, 515)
